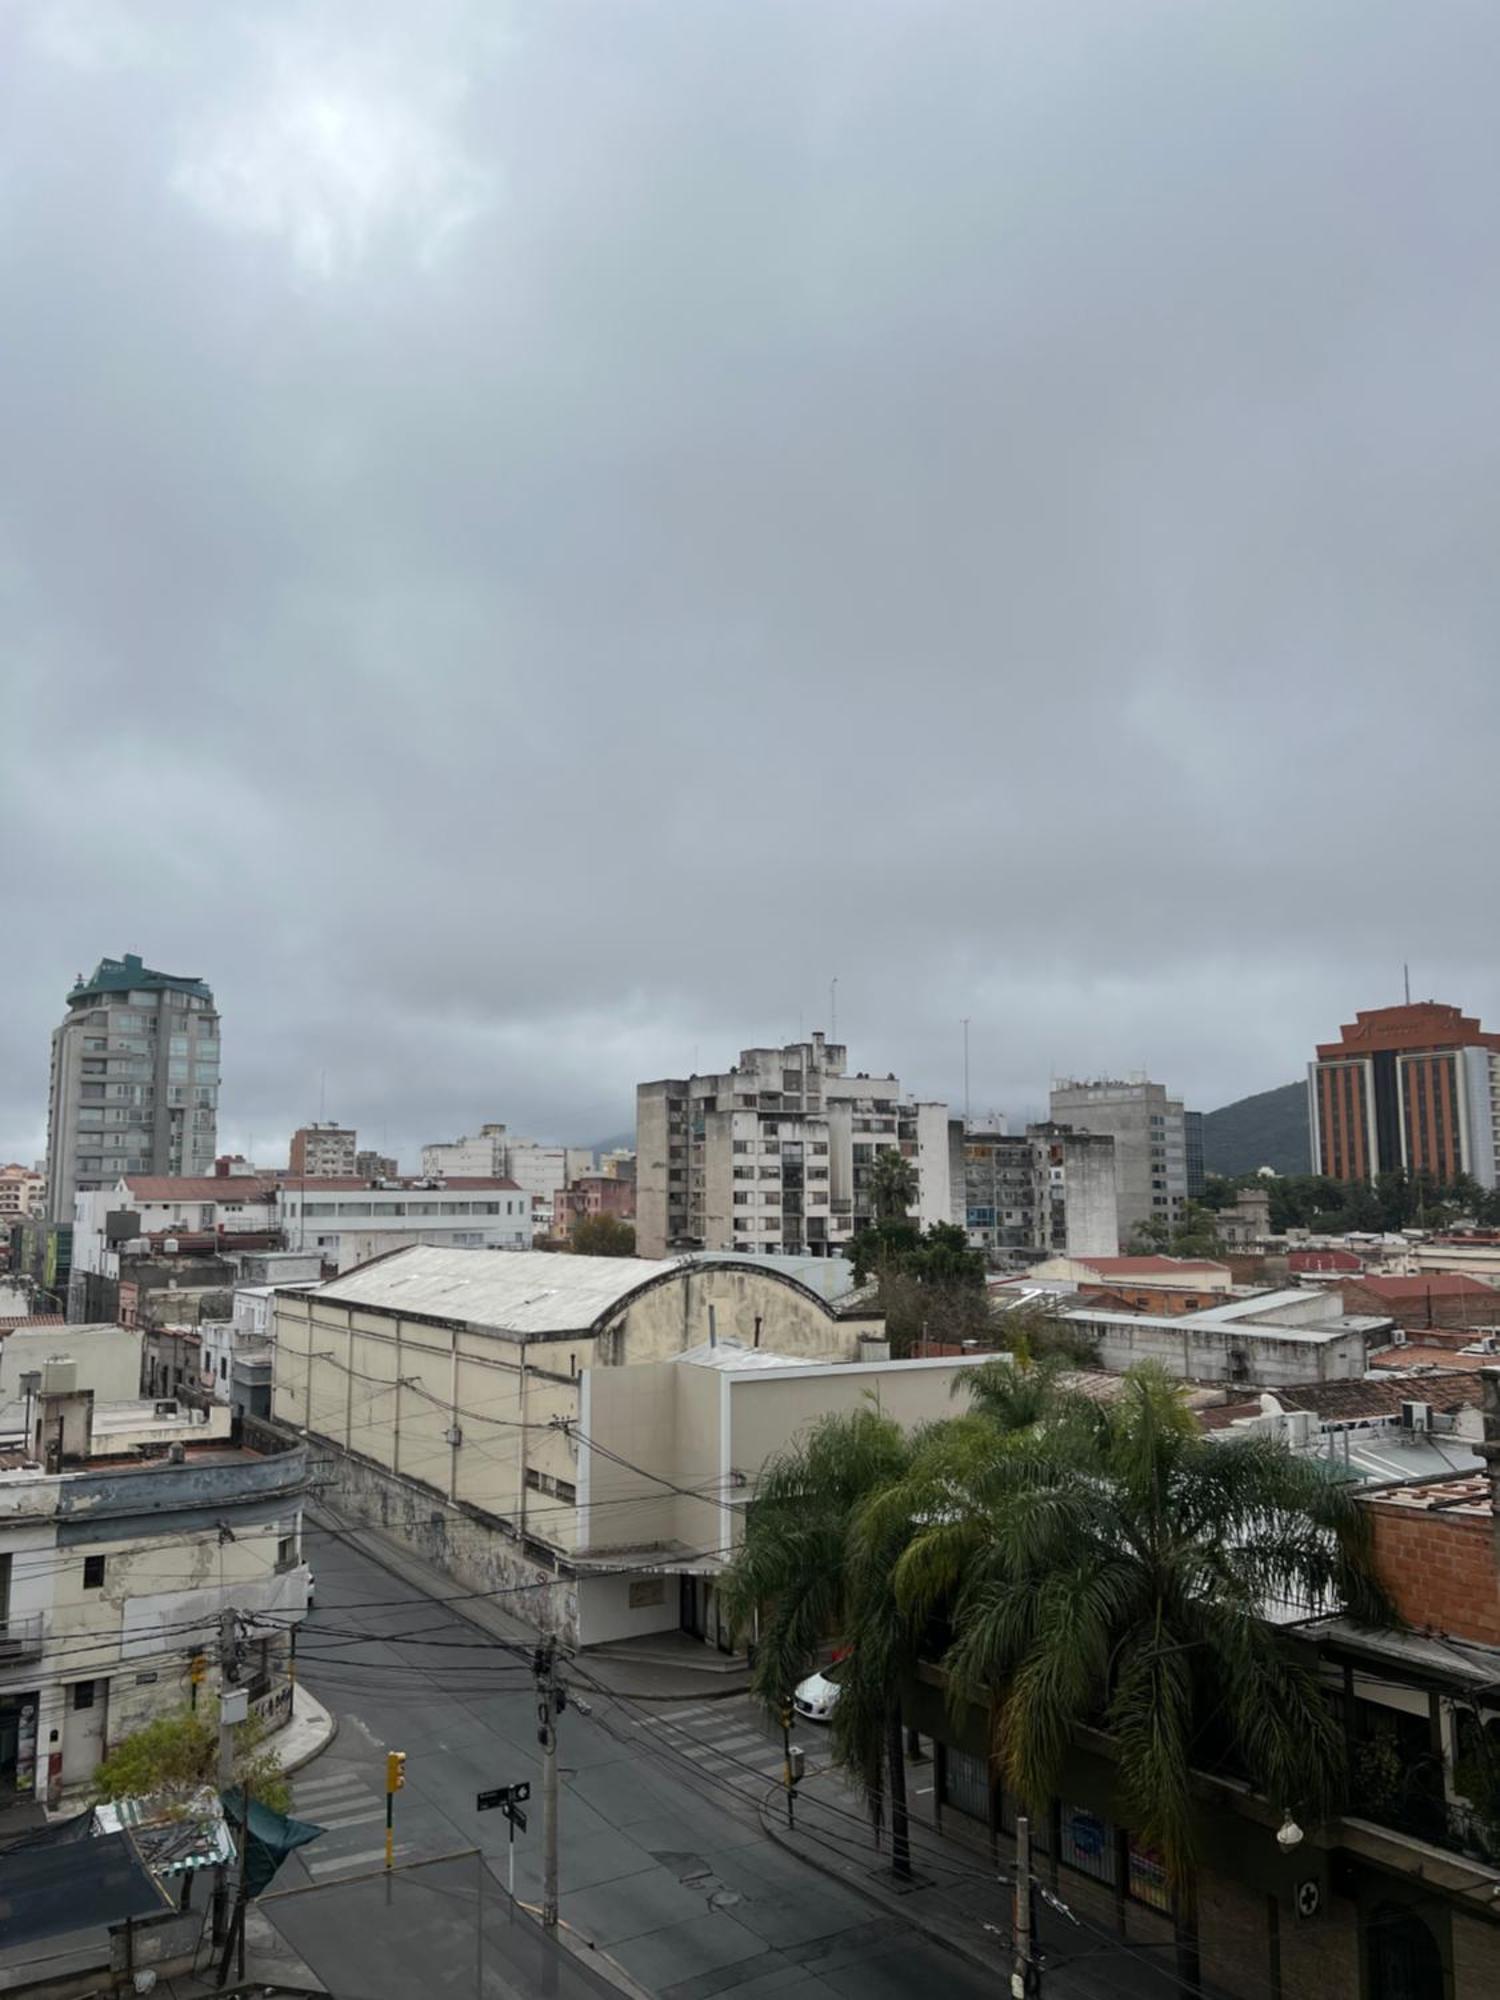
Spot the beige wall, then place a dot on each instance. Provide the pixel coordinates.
(390, 1388)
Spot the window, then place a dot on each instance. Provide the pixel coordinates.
(83, 1693)
(93, 1572)
(223, 1367)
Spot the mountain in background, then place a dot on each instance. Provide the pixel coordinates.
(1267, 1130)
(613, 1145)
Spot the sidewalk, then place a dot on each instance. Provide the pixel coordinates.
(672, 1667)
(960, 1891)
(307, 1733)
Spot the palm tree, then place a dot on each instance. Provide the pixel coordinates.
(1115, 1567)
(794, 1575)
(893, 1186)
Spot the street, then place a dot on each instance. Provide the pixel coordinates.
(664, 1863)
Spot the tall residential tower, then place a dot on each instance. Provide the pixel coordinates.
(778, 1154)
(1150, 1135)
(135, 1081)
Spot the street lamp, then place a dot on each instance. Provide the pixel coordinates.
(1288, 1834)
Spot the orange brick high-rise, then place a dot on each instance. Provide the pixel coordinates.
(1414, 1087)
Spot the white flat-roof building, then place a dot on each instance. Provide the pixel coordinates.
(350, 1221)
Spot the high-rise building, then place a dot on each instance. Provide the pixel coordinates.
(373, 1166)
(1197, 1170)
(135, 1081)
(1413, 1088)
(1043, 1192)
(323, 1153)
(1149, 1131)
(778, 1154)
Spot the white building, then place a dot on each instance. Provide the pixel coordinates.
(349, 1222)
(539, 1170)
(124, 1531)
(108, 1360)
(778, 1154)
(140, 1211)
(238, 1348)
(1264, 1341)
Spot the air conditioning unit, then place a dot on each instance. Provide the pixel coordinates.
(1416, 1416)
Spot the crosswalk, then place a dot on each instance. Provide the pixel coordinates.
(734, 1743)
(340, 1801)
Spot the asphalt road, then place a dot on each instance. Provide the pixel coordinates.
(664, 1863)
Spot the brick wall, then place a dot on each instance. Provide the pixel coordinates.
(1440, 1568)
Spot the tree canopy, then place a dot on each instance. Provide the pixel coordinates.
(602, 1236)
(178, 1755)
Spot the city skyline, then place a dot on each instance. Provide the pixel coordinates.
(548, 548)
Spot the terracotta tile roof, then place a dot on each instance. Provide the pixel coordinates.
(1409, 1355)
(1432, 1284)
(1470, 1495)
(32, 1319)
(199, 1187)
(1453, 1389)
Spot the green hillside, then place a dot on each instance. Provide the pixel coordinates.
(1267, 1130)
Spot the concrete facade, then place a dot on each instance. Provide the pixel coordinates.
(1025, 1195)
(1261, 1342)
(1149, 1131)
(1414, 1088)
(450, 1383)
(108, 1360)
(778, 1154)
(112, 1575)
(135, 1081)
(323, 1152)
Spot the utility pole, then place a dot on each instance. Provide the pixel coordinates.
(551, 1700)
(1023, 1977)
(231, 1711)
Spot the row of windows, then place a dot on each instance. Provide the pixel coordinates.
(346, 1209)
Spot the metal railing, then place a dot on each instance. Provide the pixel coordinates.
(20, 1639)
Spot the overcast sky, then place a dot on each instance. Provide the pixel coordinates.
(533, 538)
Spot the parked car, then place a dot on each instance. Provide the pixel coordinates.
(818, 1696)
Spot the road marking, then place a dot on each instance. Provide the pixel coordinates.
(353, 1819)
(316, 1788)
(353, 1860)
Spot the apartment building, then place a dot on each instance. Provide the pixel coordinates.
(1045, 1191)
(591, 1195)
(1412, 1089)
(323, 1152)
(372, 1166)
(23, 1193)
(1150, 1134)
(778, 1154)
(124, 1530)
(135, 1081)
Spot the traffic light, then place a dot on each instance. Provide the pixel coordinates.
(786, 1715)
(395, 1770)
(198, 1670)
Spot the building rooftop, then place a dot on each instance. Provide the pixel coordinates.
(200, 1187)
(313, 1185)
(130, 975)
(523, 1292)
(1191, 1270)
(831, 1277)
(1431, 1285)
(1468, 1494)
(1374, 1396)
(731, 1358)
(1408, 1356)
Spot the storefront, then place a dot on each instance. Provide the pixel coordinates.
(18, 1724)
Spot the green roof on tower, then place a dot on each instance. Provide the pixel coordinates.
(129, 974)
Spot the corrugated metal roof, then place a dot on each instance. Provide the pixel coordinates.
(730, 1357)
(519, 1291)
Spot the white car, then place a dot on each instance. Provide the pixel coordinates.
(818, 1696)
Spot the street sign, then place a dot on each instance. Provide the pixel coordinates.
(503, 1795)
(516, 1817)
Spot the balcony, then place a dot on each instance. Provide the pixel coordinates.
(20, 1640)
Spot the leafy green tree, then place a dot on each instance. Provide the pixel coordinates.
(602, 1236)
(1112, 1566)
(178, 1755)
(1150, 1238)
(930, 1282)
(893, 1185)
(792, 1578)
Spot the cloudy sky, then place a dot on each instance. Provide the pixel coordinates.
(532, 538)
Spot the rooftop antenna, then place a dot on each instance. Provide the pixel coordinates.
(833, 1008)
(966, 1071)
(1406, 976)
(322, 1095)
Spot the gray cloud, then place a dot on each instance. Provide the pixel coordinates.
(530, 541)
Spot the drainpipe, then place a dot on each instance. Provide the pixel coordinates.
(521, 1448)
